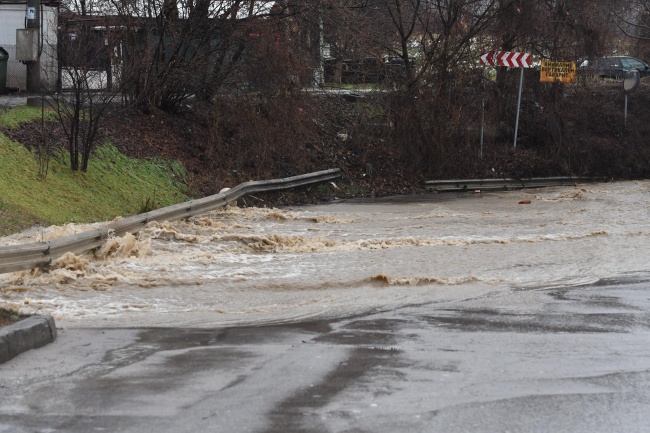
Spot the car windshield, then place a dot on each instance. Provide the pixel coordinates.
(629, 63)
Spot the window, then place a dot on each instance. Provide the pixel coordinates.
(629, 63)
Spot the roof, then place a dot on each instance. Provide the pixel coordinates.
(52, 3)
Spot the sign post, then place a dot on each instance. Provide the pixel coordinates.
(630, 84)
(513, 60)
(521, 82)
(480, 150)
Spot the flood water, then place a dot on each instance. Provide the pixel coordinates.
(256, 265)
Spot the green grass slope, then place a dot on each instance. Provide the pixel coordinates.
(114, 184)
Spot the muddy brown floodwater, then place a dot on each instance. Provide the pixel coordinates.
(240, 266)
(473, 313)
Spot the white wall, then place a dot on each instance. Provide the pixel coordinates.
(12, 17)
(97, 80)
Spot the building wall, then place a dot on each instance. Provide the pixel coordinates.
(12, 17)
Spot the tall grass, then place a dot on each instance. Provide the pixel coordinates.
(114, 185)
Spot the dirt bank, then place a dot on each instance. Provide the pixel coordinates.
(261, 137)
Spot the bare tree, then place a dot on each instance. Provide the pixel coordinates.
(176, 50)
(85, 47)
(632, 17)
(359, 38)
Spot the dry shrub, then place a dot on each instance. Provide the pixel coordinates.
(260, 136)
(594, 139)
(435, 130)
(563, 130)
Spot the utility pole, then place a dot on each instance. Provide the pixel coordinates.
(33, 21)
(319, 78)
(321, 47)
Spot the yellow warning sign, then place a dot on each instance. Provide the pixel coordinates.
(551, 72)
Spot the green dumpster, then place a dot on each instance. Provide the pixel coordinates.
(4, 58)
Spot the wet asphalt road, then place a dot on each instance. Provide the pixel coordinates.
(553, 360)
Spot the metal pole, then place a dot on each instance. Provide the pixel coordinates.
(625, 117)
(321, 47)
(480, 153)
(521, 81)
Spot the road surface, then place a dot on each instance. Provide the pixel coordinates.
(567, 359)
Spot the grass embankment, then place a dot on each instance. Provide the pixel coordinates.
(8, 317)
(114, 184)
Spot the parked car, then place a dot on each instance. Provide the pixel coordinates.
(615, 66)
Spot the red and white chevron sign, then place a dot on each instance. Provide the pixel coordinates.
(506, 58)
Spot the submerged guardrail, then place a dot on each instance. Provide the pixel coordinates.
(504, 184)
(28, 256)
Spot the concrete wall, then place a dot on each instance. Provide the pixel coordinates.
(12, 17)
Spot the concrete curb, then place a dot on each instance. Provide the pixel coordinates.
(31, 333)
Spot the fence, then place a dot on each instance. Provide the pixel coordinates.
(20, 257)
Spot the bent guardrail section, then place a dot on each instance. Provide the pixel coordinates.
(504, 184)
(28, 256)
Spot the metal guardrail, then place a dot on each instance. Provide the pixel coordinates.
(503, 184)
(28, 256)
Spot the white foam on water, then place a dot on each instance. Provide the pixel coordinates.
(258, 265)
